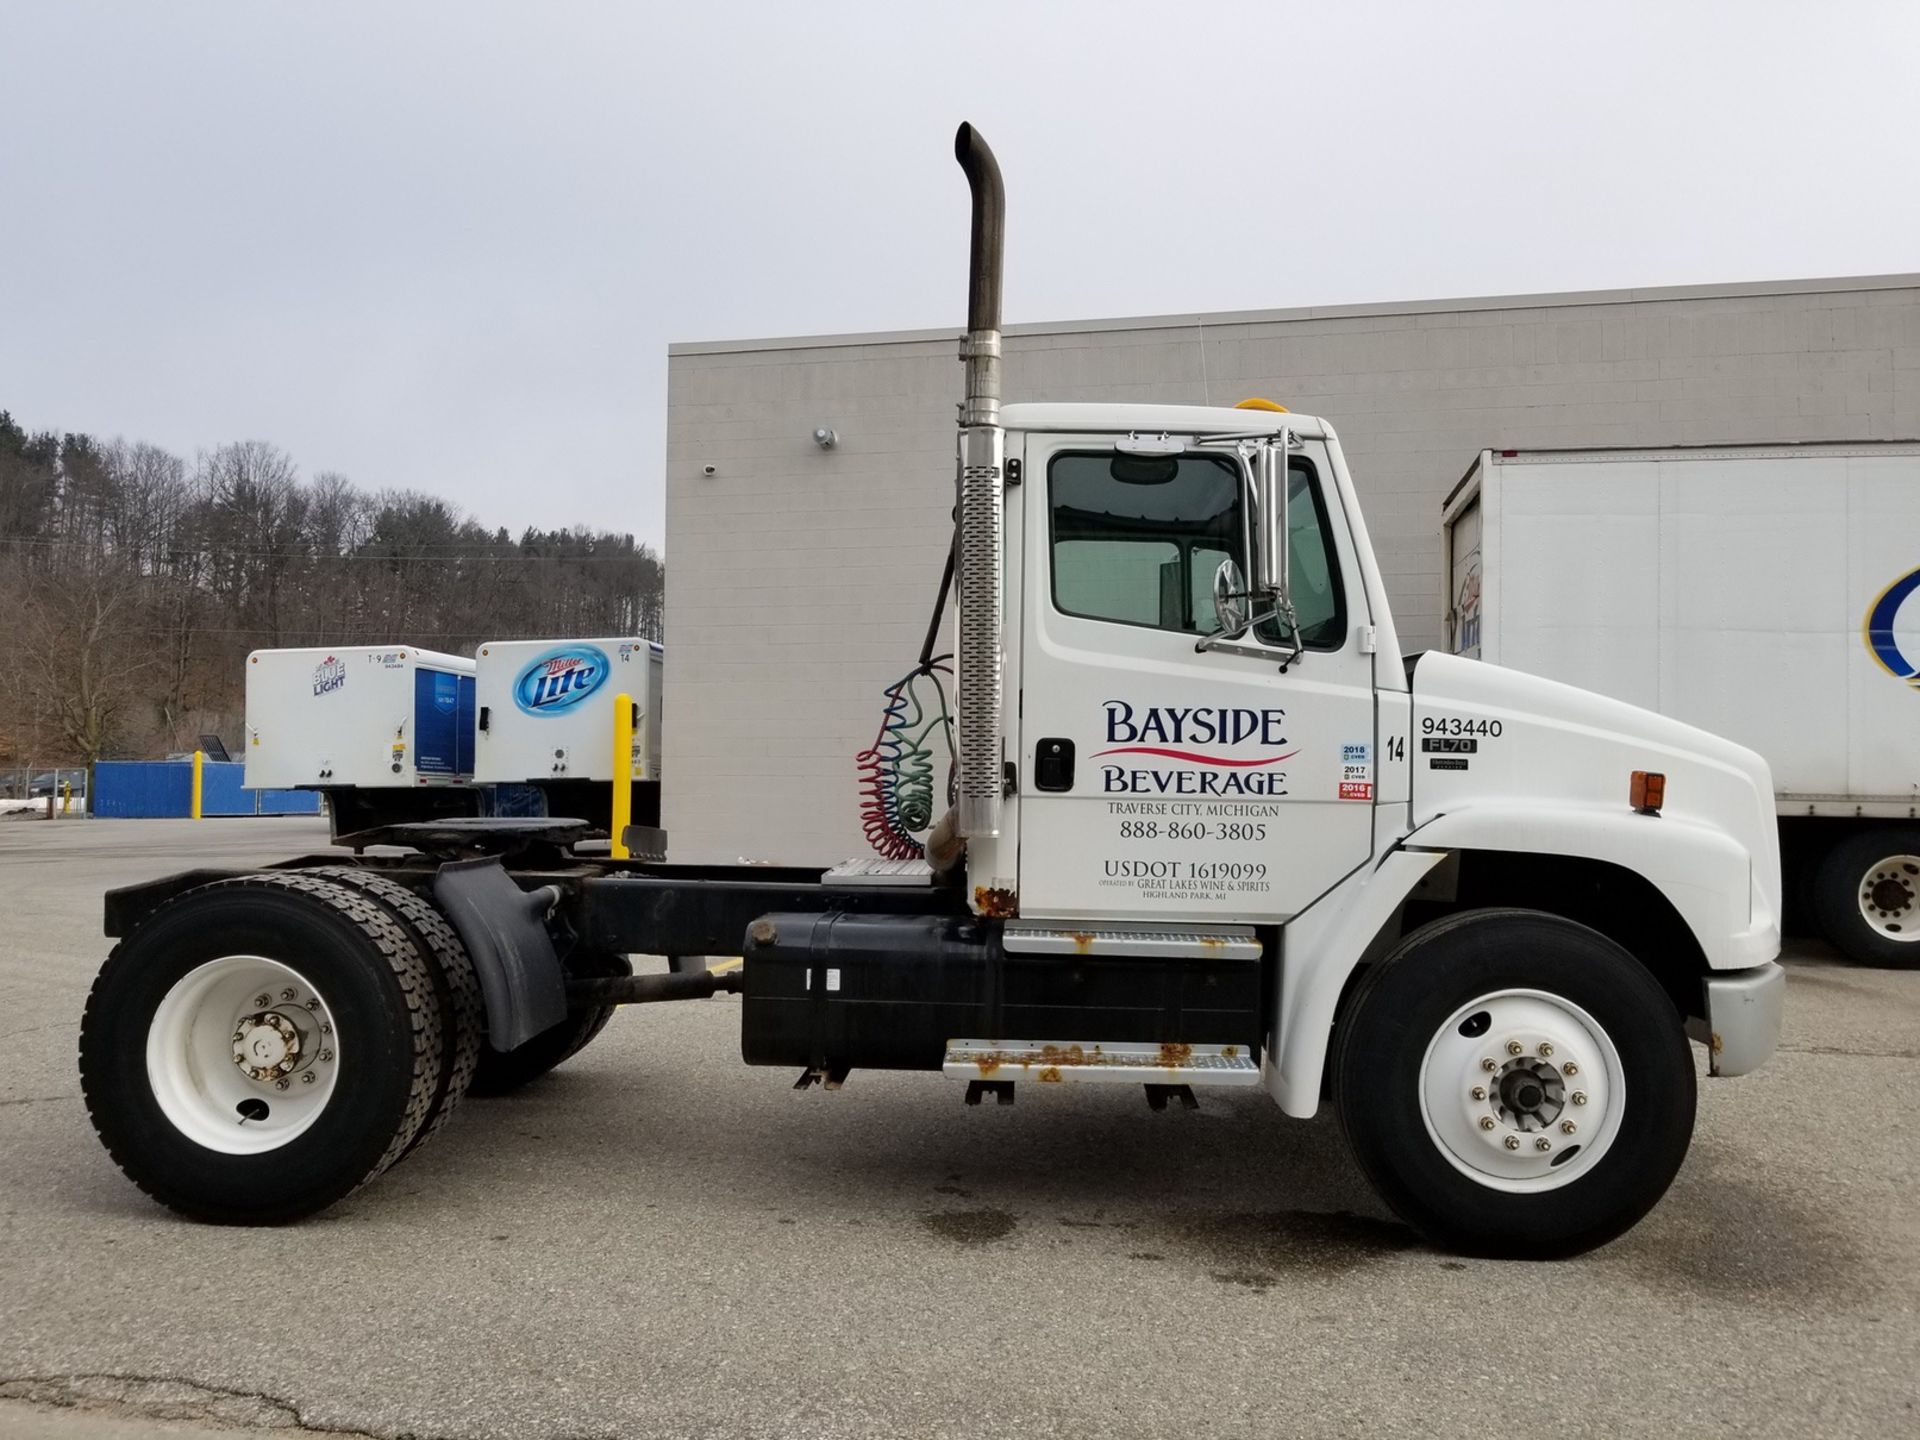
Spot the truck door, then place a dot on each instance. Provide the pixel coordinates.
(1162, 783)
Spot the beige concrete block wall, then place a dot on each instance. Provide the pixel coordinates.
(799, 580)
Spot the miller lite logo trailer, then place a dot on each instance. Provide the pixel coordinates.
(546, 709)
(371, 716)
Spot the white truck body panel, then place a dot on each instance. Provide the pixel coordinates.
(546, 708)
(375, 716)
(1731, 588)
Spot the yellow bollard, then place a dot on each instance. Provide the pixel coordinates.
(199, 759)
(66, 796)
(622, 773)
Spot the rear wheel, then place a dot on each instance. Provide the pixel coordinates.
(260, 1048)
(1514, 1084)
(1867, 897)
(503, 1073)
(463, 1009)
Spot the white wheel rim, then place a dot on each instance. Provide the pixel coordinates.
(1524, 1045)
(242, 1055)
(1889, 896)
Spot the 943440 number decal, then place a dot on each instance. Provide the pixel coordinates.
(1459, 725)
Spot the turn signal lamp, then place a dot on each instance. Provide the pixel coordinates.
(1647, 791)
(1254, 402)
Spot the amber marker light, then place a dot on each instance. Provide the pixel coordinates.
(1647, 791)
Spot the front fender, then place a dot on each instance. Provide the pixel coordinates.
(1705, 873)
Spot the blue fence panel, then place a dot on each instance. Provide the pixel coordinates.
(288, 802)
(220, 790)
(142, 789)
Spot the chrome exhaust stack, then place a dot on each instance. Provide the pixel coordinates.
(982, 519)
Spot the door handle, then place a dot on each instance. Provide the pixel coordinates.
(1053, 764)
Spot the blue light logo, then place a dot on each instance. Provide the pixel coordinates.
(560, 679)
(1884, 619)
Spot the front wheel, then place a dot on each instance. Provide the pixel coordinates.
(1515, 1085)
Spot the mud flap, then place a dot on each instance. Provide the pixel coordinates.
(503, 928)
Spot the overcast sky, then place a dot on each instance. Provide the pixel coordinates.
(446, 245)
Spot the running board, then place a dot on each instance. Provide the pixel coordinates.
(1124, 1062)
(1214, 942)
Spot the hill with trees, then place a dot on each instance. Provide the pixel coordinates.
(133, 583)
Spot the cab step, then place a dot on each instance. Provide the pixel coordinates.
(1109, 1062)
(1210, 942)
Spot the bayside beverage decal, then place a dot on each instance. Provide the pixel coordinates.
(1193, 750)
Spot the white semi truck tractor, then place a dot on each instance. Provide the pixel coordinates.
(1208, 828)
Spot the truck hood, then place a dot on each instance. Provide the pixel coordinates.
(1488, 736)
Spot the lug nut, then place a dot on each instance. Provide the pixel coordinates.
(1579, 1097)
(307, 1079)
(1513, 1142)
(263, 999)
(280, 1084)
(287, 994)
(1567, 1127)
(1489, 1065)
(1479, 1092)
(1514, 1047)
(1486, 1122)
(326, 1029)
(326, 1055)
(1545, 1049)
(1569, 1068)
(239, 1059)
(313, 1004)
(1543, 1143)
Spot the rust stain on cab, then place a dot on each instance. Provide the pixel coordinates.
(995, 903)
(1174, 1053)
(988, 1065)
(1057, 1055)
(1082, 942)
(1050, 1075)
(1229, 1052)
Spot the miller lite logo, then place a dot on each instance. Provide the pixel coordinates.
(560, 679)
(329, 675)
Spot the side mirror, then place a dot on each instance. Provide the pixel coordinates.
(1270, 488)
(1230, 600)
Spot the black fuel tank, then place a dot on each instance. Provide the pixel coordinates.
(832, 991)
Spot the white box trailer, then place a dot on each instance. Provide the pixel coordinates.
(1769, 594)
(365, 716)
(546, 709)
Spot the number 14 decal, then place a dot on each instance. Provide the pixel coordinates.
(1396, 747)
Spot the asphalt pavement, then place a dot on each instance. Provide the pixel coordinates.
(658, 1240)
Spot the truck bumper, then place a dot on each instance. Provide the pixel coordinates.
(1744, 1009)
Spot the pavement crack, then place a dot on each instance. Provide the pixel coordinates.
(1850, 1051)
(37, 1099)
(175, 1397)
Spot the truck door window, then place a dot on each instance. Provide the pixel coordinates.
(1137, 541)
(1311, 573)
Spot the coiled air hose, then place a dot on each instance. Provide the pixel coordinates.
(896, 771)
